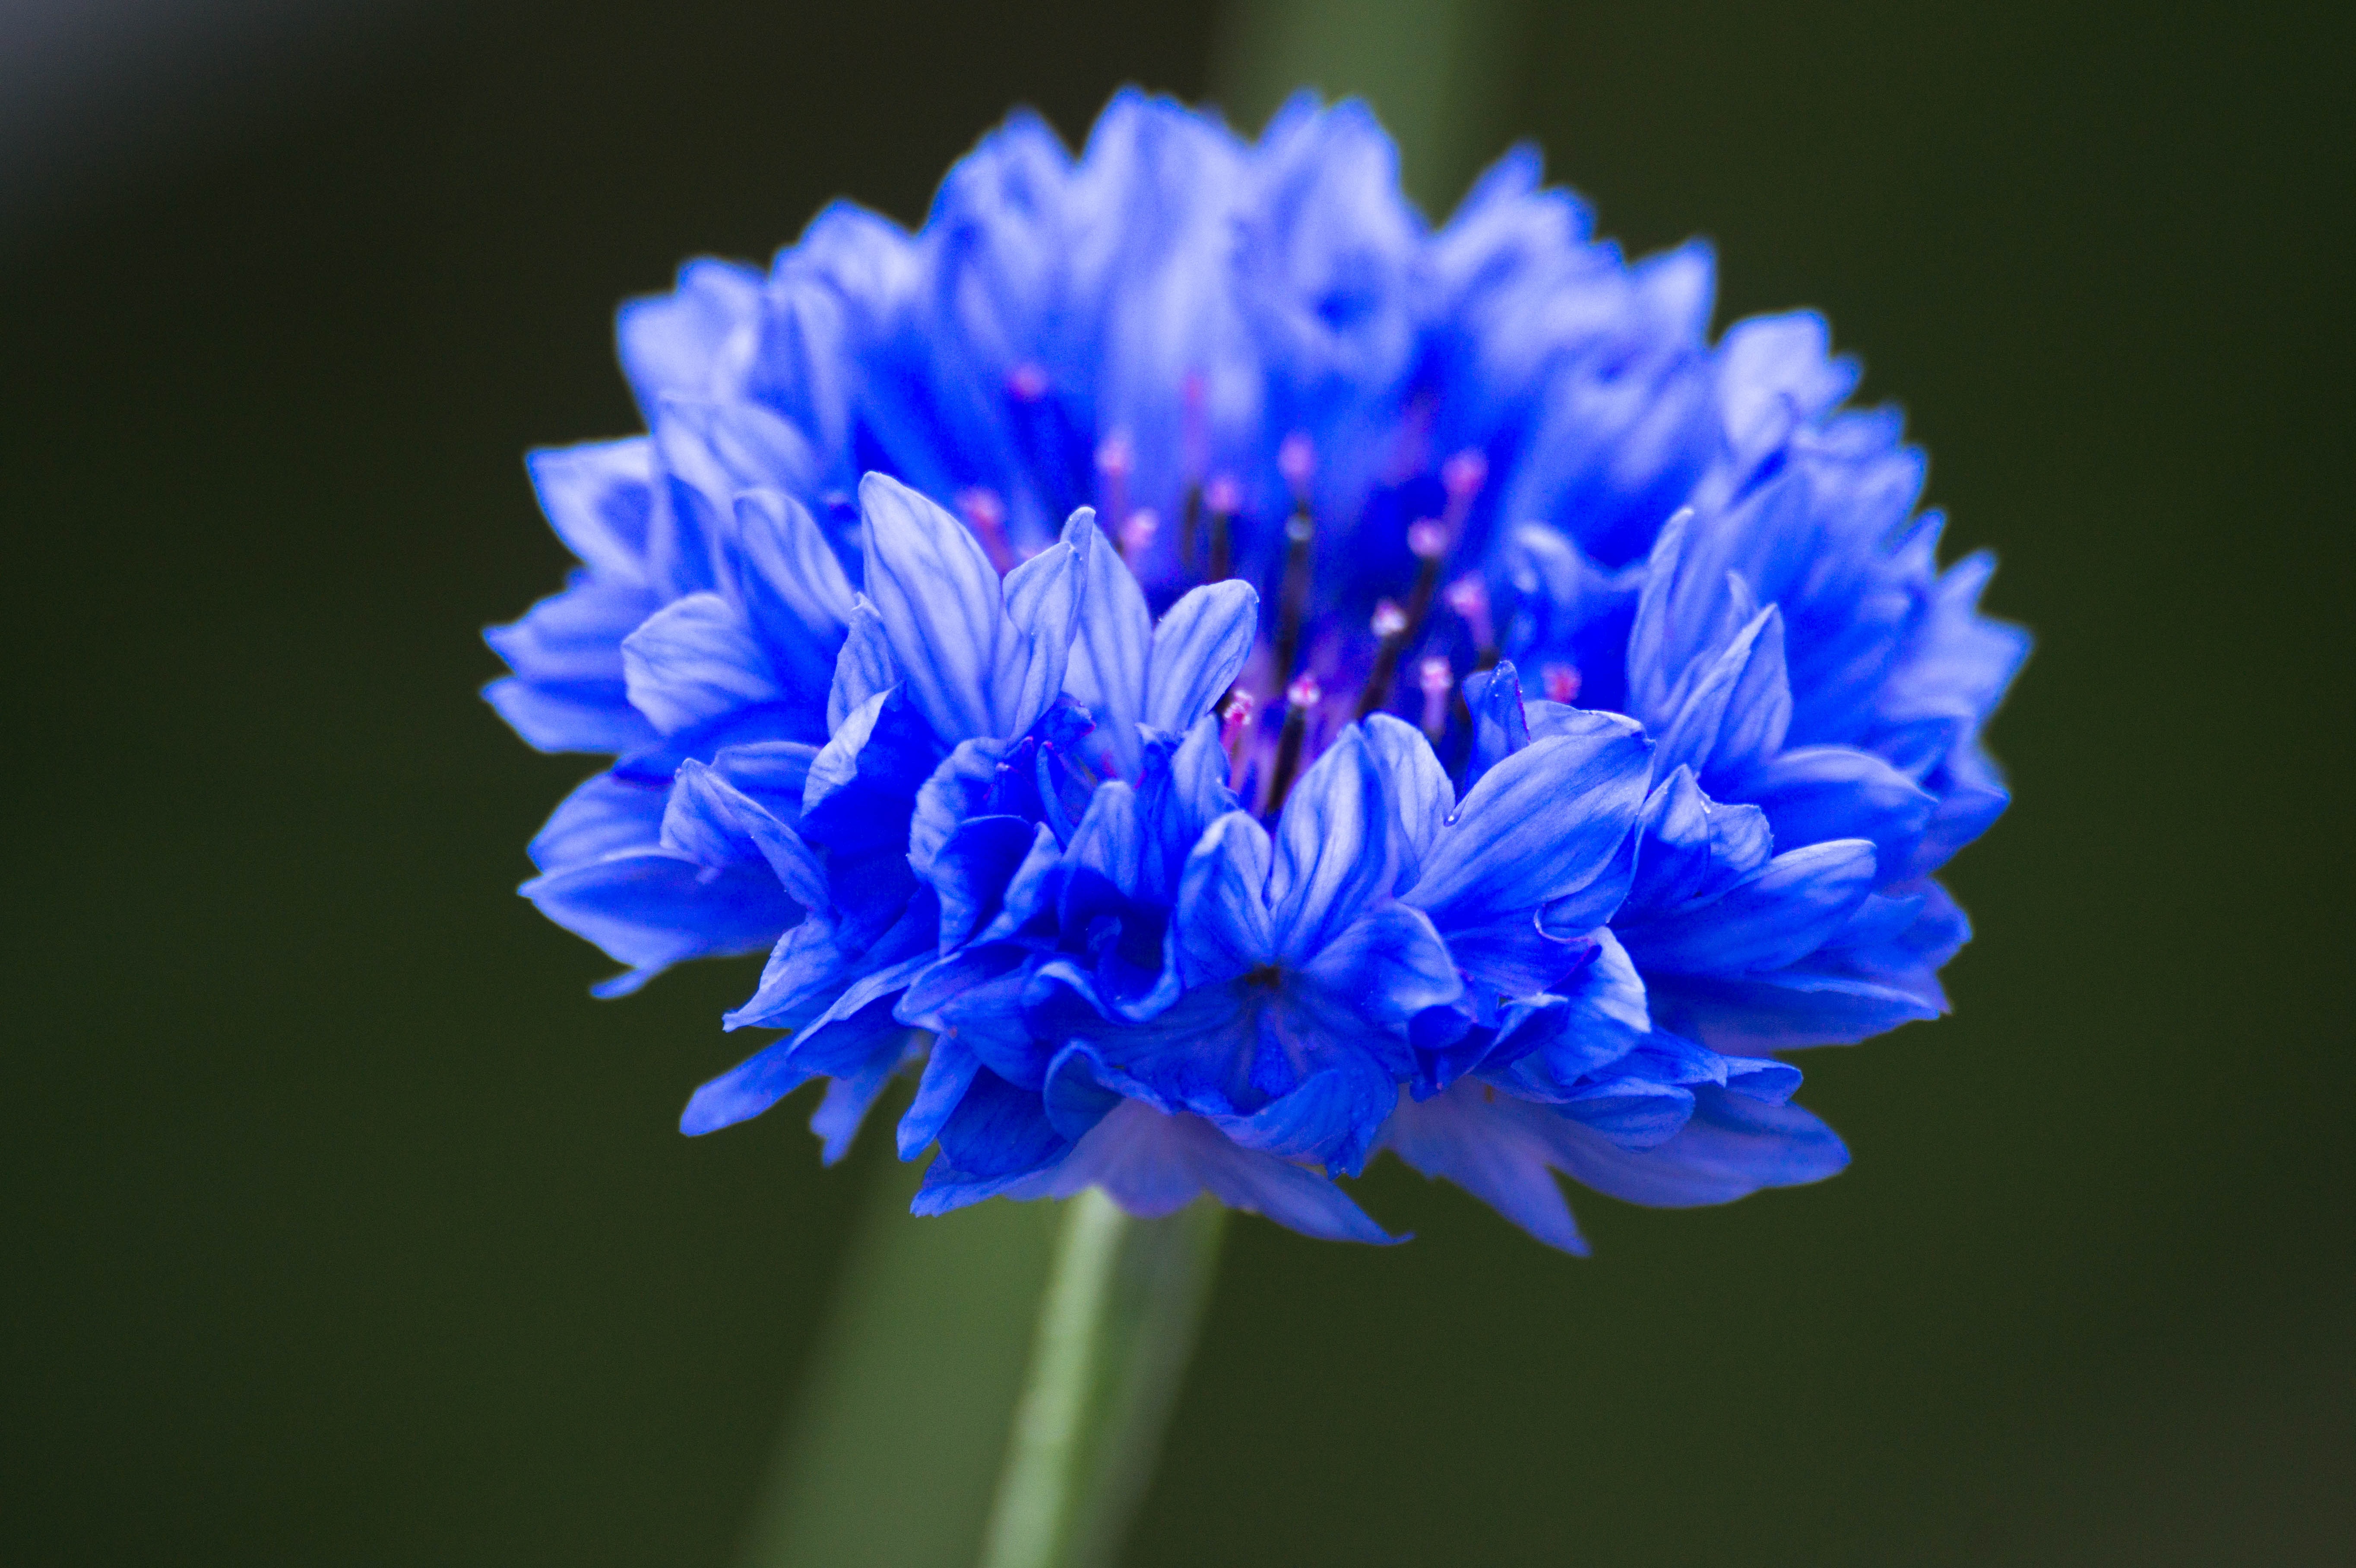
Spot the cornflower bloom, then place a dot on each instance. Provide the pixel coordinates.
(1219, 679)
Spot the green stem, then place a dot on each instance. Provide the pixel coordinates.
(1115, 1327)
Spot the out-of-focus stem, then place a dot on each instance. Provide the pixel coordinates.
(1115, 1328)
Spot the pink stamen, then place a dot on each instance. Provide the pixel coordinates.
(1137, 534)
(1027, 381)
(985, 514)
(1469, 597)
(1463, 475)
(1235, 718)
(1437, 678)
(1223, 493)
(1234, 725)
(1561, 681)
(1114, 459)
(1390, 619)
(1428, 538)
(1304, 692)
(1113, 455)
(1296, 459)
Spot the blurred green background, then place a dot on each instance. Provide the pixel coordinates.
(345, 1228)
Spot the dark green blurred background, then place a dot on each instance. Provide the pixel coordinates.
(345, 1228)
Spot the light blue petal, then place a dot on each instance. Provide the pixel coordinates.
(1105, 673)
(1733, 1145)
(1485, 1145)
(651, 909)
(1199, 648)
(864, 667)
(1335, 851)
(937, 599)
(695, 659)
(677, 342)
(1044, 599)
(713, 823)
(598, 497)
(1541, 824)
(1111, 839)
(596, 719)
(1415, 786)
(606, 815)
(955, 790)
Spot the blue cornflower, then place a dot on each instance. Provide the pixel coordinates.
(1490, 721)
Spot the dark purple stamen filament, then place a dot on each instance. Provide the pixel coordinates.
(1299, 698)
(1429, 540)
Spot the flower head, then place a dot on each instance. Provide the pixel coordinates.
(1084, 642)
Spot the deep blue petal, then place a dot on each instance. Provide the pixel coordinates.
(1775, 916)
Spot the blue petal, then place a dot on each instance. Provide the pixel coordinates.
(713, 823)
(1731, 1147)
(653, 908)
(1385, 966)
(1777, 915)
(1541, 824)
(1080, 1090)
(1631, 1113)
(811, 965)
(1111, 839)
(1812, 794)
(710, 452)
(1199, 648)
(846, 1104)
(1334, 852)
(1044, 597)
(793, 590)
(1739, 705)
(587, 718)
(574, 638)
(864, 786)
(938, 602)
(774, 772)
(864, 667)
(971, 873)
(855, 1032)
(598, 497)
(1221, 927)
(1490, 1146)
(1107, 671)
(1152, 1163)
(695, 660)
(675, 342)
(1332, 1117)
(1499, 727)
(1693, 847)
(1773, 368)
(1516, 955)
(606, 815)
(958, 789)
(947, 1073)
(998, 1129)
(1416, 786)
(1788, 1010)
(1183, 792)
